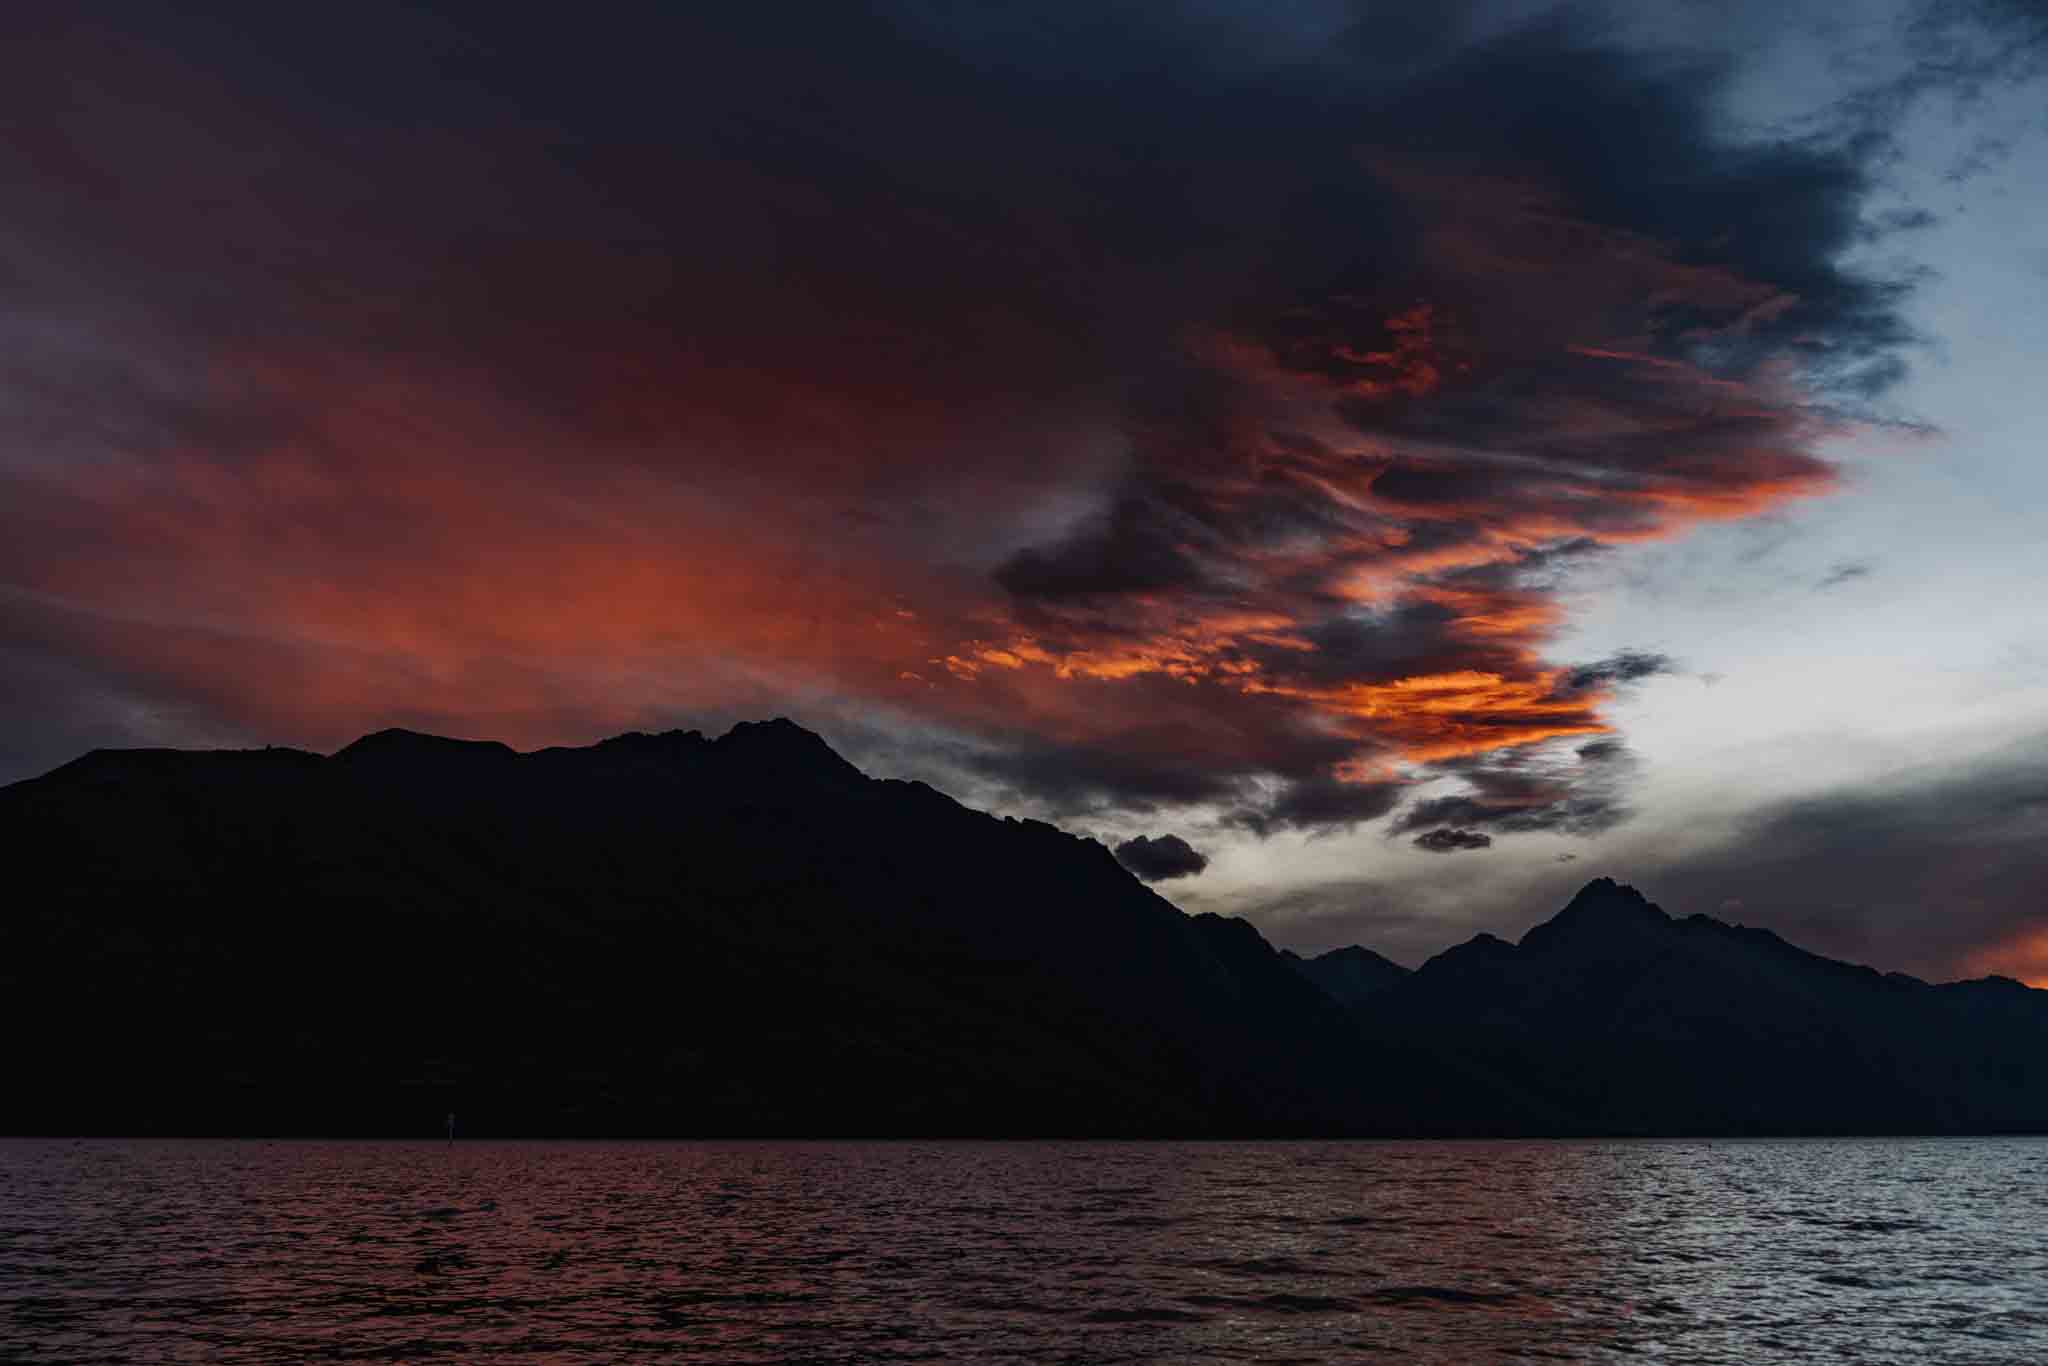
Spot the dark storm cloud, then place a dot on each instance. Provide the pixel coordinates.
(1594, 117)
(1553, 809)
(1938, 873)
(1955, 53)
(1451, 840)
(1630, 666)
(1134, 549)
(1321, 805)
(1531, 790)
(1398, 641)
(1172, 762)
(1078, 779)
(1137, 744)
(1158, 858)
(1174, 409)
(1415, 484)
(1963, 48)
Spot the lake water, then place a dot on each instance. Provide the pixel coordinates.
(1907, 1251)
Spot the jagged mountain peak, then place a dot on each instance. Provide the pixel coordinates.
(658, 934)
(871, 957)
(1605, 894)
(784, 746)
(1603, 909)
(660, 739)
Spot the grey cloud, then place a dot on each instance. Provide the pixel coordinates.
(1158, 858)
(1629, 666)
(1930, 873)
(1532, 790)
(824, 292)
(1319, 804)
(1451, 840)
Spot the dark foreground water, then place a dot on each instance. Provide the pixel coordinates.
(1907, 1251)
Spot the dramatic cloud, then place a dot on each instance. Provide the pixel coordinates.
(1332, 803)
(1629, 667)
(1528, 789)
(1450, 840)
(1937, 872)
(1959, 51)
(1155, 858)
(1155, 413)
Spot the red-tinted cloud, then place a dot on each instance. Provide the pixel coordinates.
(2024, 957)
(1143, 440)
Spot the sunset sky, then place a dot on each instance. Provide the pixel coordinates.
(1422, 456)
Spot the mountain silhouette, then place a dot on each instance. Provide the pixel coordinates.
(1635, 1022)
(1348, 975)
(679, 935)
(658, 934)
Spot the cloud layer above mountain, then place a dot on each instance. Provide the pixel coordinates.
(1155, 412)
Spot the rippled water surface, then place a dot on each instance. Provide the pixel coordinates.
(1904, 1251)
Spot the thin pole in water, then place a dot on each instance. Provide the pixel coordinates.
(451, 1128)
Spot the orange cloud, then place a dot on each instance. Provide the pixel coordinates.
(1316, 540)
(2024, 957)
(1625, 447)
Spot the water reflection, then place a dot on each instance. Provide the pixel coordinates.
(1903, 1251)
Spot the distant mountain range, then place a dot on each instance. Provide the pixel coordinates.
(676, 935)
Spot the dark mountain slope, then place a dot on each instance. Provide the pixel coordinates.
(1638, 1023)
(1348, 975)
(670, 934)
(659, 934)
